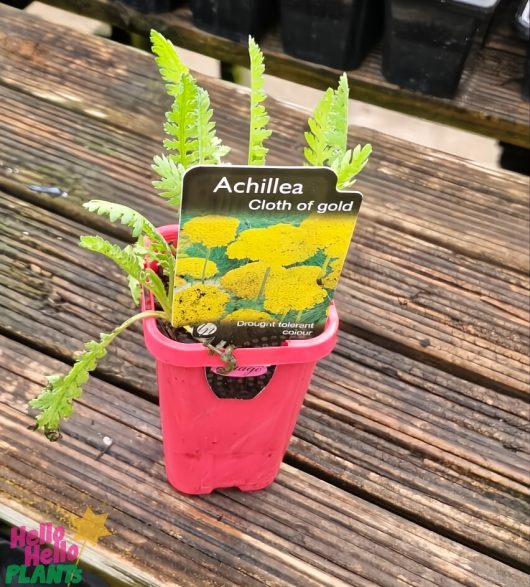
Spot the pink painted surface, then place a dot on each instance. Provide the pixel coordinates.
(210, 442)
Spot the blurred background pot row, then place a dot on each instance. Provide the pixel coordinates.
(426, 45)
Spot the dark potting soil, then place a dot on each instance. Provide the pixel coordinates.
(226, 386)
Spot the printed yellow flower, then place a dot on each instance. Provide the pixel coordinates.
(245, 282)
(199, 303)
(332, 278)
(194, 267)
(330, 233)
(277, 245)
(293, 289)
(179, 281)
(211, 230)
(249, 315)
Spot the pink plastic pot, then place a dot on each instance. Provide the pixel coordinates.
(210, 442)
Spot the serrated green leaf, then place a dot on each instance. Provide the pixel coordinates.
(337, 136)
(132, 263)
(169, 64)
(317, 152)
(350, 165)
(55, 402)
(259, 118)
(158, 249)
(171, 173)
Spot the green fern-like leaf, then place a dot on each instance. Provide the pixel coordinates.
(135, 289)
(158, 249)
(129, 260)
(138, 224)
(169, 64)
(191, 128)
(124, 258)
(328, 128)
(318, 148)
(351, 163)
(181, 124)
(259, 118)
(210, 149)
(337, 132)
(55, 402)
(327, 138)
(170, 182)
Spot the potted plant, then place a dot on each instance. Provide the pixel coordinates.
(209, 441)
(336, 33)
(427, 42)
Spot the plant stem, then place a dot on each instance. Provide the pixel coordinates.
(325, 267)
(263, 282)
(130, 321)
(206, 259)
(141, 316)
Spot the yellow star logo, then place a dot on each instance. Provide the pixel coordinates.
(90, 527)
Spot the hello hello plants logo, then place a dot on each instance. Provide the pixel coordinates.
(49, 558)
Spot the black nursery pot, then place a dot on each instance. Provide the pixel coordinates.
(336, 33)
(427, 42)
(152, 5)
(234, 19)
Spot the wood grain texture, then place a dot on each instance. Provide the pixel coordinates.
(488, 101)
(286, 535)
(375, 421)
(399, 264)
(420, 410)
(446, 308)
(415, 189)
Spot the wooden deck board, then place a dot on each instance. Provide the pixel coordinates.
(447, 192)
(409, 464)
(392, 285)
(287, 535)
(488, 101)
(402, 429)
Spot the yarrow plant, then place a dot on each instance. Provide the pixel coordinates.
(192, 140)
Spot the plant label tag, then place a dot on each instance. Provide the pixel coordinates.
(260, 252)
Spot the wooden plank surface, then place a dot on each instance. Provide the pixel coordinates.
(385, 427)
(488, 101)
(302, 531)
(420, 411)
(405, 299)
(413, 191)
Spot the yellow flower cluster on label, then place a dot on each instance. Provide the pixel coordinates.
(273, 277)
(196, 267)
(249, 315)
(283, 292)
(330, 233)
(199, 303)
(245, 281)
(277, 246)
(211, 230)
